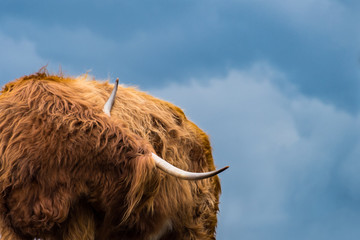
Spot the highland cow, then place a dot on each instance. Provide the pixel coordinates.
(72, 168)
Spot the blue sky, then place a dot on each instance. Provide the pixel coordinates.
(274, 83)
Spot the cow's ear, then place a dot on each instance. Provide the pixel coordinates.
(144, 183)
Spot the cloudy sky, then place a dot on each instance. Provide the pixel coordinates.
(276, 84)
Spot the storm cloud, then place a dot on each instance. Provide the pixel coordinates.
(158, 42)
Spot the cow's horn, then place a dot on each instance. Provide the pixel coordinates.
(110, 102)
(161, 163)
(177, 172)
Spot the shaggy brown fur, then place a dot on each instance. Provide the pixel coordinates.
(68, 171)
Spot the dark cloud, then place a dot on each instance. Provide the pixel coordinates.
(147, 43)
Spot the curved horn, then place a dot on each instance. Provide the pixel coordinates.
(177, 172)
(110, 102)
(159, 162)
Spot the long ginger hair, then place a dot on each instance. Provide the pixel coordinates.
(69, 171)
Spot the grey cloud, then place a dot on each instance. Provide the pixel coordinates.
(293, 159)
